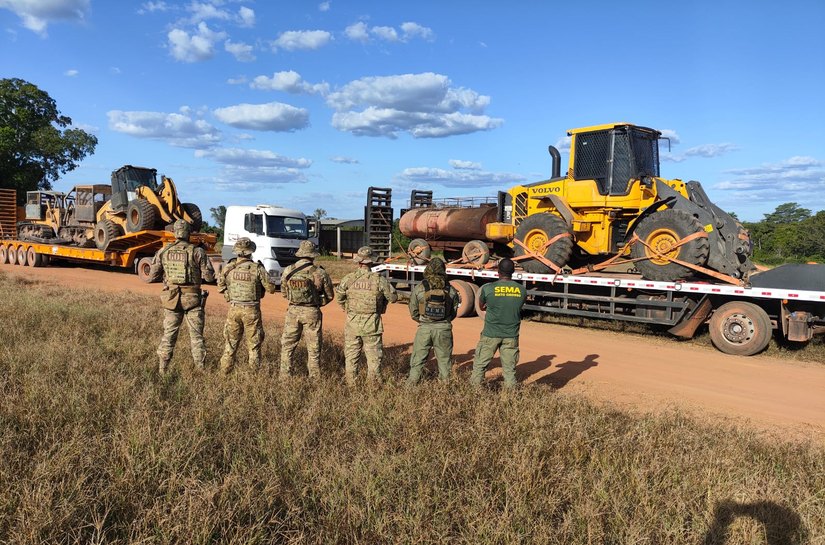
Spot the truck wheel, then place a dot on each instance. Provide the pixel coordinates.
(105, 232)
(4, 254)
(11, 256)
(534, 232)
(143, 267)
(33, 258)
(740, 328)
(195, 213)
(476, 252)
(140, 216)
(477, 301)
(21, 256)
(662, 231)
(466, 297)
(419, 251)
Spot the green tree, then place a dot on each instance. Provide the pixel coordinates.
(319, 214)
(790, 212)
(219, 215)
(37, 142)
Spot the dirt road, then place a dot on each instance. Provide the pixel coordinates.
(779, 397)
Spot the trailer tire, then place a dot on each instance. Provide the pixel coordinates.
(105, 232)
(420, 251)
(21, 256)
(11, 256)
(476, 252)
(4, 254)
(534, 232)
(194, 213)
(477, 302)
(140, 216)
(466, 297)
(660, 231)
(33, 258)
(740, 328)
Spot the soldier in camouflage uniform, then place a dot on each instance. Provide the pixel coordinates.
(243, 283)
(307, 287)
(433, 305)
(183, 266)
(364, 295)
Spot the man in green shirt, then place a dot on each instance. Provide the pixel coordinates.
(503, 301)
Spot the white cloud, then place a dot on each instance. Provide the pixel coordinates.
(323, 6)
(293, 40)
(177, 129)
(273, 116)
(71, 73)
(798, 178)
(424, 105)
(414, 30)
(151, 7)
(563, 144)
(252, 158)
(672, 135)
(344, 160)
(464, 165)
(37, 14)
(357, 32)
(290, 82)
(459, 177)
(196, 47)
(203, 11)
(246, 17)
(241, 51)
(114, 70)
(705, 150)
(386, 33)
(240, 80)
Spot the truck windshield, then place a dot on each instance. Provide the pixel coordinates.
(286, 227)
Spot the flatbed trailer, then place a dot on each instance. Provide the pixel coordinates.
(788, 301)
(133, 250)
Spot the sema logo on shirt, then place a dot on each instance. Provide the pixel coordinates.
(507, 291)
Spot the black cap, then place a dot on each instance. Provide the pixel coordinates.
(506, 267)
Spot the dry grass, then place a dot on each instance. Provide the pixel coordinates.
(97, 449)
(337, 268)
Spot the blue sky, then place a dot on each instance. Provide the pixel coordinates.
(306, 104)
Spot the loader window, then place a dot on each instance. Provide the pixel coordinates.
(592, 152)
(622, 171)
(646, 153)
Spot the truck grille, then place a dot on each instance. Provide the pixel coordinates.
(284, 256)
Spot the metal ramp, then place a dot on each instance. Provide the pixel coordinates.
(8, 213)
(378, 221)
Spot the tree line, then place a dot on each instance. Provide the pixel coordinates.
(789, 234)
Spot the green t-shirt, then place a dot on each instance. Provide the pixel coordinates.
(504, 300)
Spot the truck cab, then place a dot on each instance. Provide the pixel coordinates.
(276, 232)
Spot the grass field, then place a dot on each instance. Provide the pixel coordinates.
(95, 448)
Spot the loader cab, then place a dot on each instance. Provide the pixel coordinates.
(87, 200)
(614, 155)
(125, 182)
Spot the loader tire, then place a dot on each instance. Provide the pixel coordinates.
(662, 231)
(534, 232)
(105, 232)
(196, 215)
(740, 328)
(419, 251)
(140, 216)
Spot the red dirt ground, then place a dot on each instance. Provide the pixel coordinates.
(782, 398)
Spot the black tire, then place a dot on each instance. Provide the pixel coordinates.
(661, 230)
(194, 213)
(534, 231)
(105, 232)
(33, 258)
(142, 269)
(419, 251)
(466, 297)
(476, 252)
(740, 328)
(140, 216)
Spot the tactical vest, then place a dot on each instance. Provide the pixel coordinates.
(301, 288)
(177, 263)
(364, 295)
(243, 284)
(435, 304)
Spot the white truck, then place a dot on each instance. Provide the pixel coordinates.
(276, 232)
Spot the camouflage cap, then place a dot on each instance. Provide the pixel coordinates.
(306, 249)
(243, 247)
(435, 268)
(181, 230)
(364, 255)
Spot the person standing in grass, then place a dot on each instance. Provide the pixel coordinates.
(364, 294)
(433, 305)
(503, 301)
(243, 284)
(183, 266)
(307, 287)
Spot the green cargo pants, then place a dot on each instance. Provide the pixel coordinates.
(508, 352)
(439, 337)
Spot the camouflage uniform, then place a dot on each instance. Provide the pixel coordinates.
(433, 305)
(364, 295)
(182, 266)
(307, 287)
(243, 283)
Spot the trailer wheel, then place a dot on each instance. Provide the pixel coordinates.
(33, 258)
(419, 251)
(4, 254)
(740, 328)
(142, 269)
(476, 252)
(661, 231)
(195, 213)
(21, 256)
(466, 298)
(105, 232)
(477, 303)
(140, 216)
(11, 256)
(535, 232)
